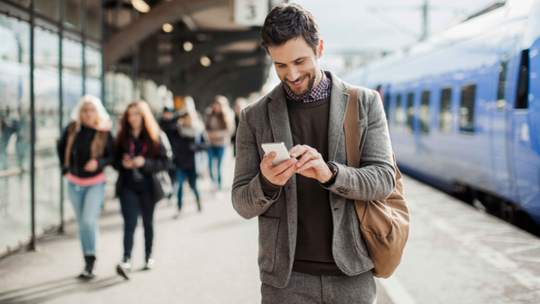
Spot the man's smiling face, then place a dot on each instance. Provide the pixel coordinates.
(297, 65)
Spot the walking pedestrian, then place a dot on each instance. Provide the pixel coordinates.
(85, 148)
(311, 249)
(219, 123)
(167, 123)
(140, 153)
(187, 154)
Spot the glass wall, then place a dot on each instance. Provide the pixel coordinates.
(93, 71)
(58, 79)
(14, 131)
(72, 80)
(47, 113)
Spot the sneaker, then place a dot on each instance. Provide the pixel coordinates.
(89, 271)
(176, 214)
(88, 275)
(149, 264)
(124, 268)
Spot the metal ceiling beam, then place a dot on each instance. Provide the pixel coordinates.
(185, 60)
(148, 24)
(211, 72)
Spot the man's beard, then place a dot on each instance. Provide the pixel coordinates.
(309, 87)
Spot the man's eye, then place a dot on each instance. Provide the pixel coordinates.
(300, 62)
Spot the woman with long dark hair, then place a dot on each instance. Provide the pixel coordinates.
(219, 123)
(140, 152)
(85, 148)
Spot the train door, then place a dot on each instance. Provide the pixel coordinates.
(526, 132)
(499, 116)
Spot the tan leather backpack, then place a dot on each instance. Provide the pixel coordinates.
(384, 223)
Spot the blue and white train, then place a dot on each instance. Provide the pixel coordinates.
(463, 108)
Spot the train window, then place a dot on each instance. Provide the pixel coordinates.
(410, 112)
(424, 113)
(445, 116)
(502, 81)
(399, 114)
(466, 118)
(522, 98)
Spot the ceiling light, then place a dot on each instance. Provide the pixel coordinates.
(205, 61)
(140, 5)
(188, 46)
(167, 27)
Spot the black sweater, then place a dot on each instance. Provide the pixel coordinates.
(80, 152)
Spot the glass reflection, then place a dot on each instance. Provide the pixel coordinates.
(93, 71)
(93, 27)
(72, 13)
(14, 131)
(71, 76)
(46, 92)
(48, 7)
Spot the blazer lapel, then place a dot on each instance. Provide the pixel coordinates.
(279, 117)
(338, 107)
(281, 129)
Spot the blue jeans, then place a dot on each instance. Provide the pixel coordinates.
(87, 202)
(215, 152)
(191, 174)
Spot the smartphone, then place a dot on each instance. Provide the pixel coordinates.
(280, 149)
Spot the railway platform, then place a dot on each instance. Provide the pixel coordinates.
(455, 254)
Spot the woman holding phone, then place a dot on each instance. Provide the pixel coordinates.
(85, 148)
(140, 153)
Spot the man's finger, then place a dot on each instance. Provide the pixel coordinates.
(311, 154)
(298, 150)
(268, 159)
(285, 175)
(284, 166)
(308, 165)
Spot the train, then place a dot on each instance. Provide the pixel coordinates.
(463, 109)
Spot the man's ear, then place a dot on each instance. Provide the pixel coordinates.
(320, 49)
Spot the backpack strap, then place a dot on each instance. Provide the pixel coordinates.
(352, 130)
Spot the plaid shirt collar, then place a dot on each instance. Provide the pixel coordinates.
(321, 91)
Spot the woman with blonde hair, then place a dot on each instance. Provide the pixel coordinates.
(219, 123)
(141, 151)
(85, 148)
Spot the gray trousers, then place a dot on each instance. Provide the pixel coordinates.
(305, 288)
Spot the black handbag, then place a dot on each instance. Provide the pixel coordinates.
(163, 186)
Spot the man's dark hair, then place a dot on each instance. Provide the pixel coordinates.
(289, 21)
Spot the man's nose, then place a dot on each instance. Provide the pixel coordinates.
(293, 74)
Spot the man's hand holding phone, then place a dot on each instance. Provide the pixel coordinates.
(280, 174)
(311, 163)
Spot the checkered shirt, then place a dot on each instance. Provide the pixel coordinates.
(321, 91)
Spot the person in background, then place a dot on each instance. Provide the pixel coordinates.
(85, 148)
(219, 124)
(239, 104)
(167, 123)
(140, 153)
(187, 154)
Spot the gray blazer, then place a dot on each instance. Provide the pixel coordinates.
(267, 120)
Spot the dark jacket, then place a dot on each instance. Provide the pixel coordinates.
(79, 144)
(160, 162)
(170, 128)
(186, 148)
